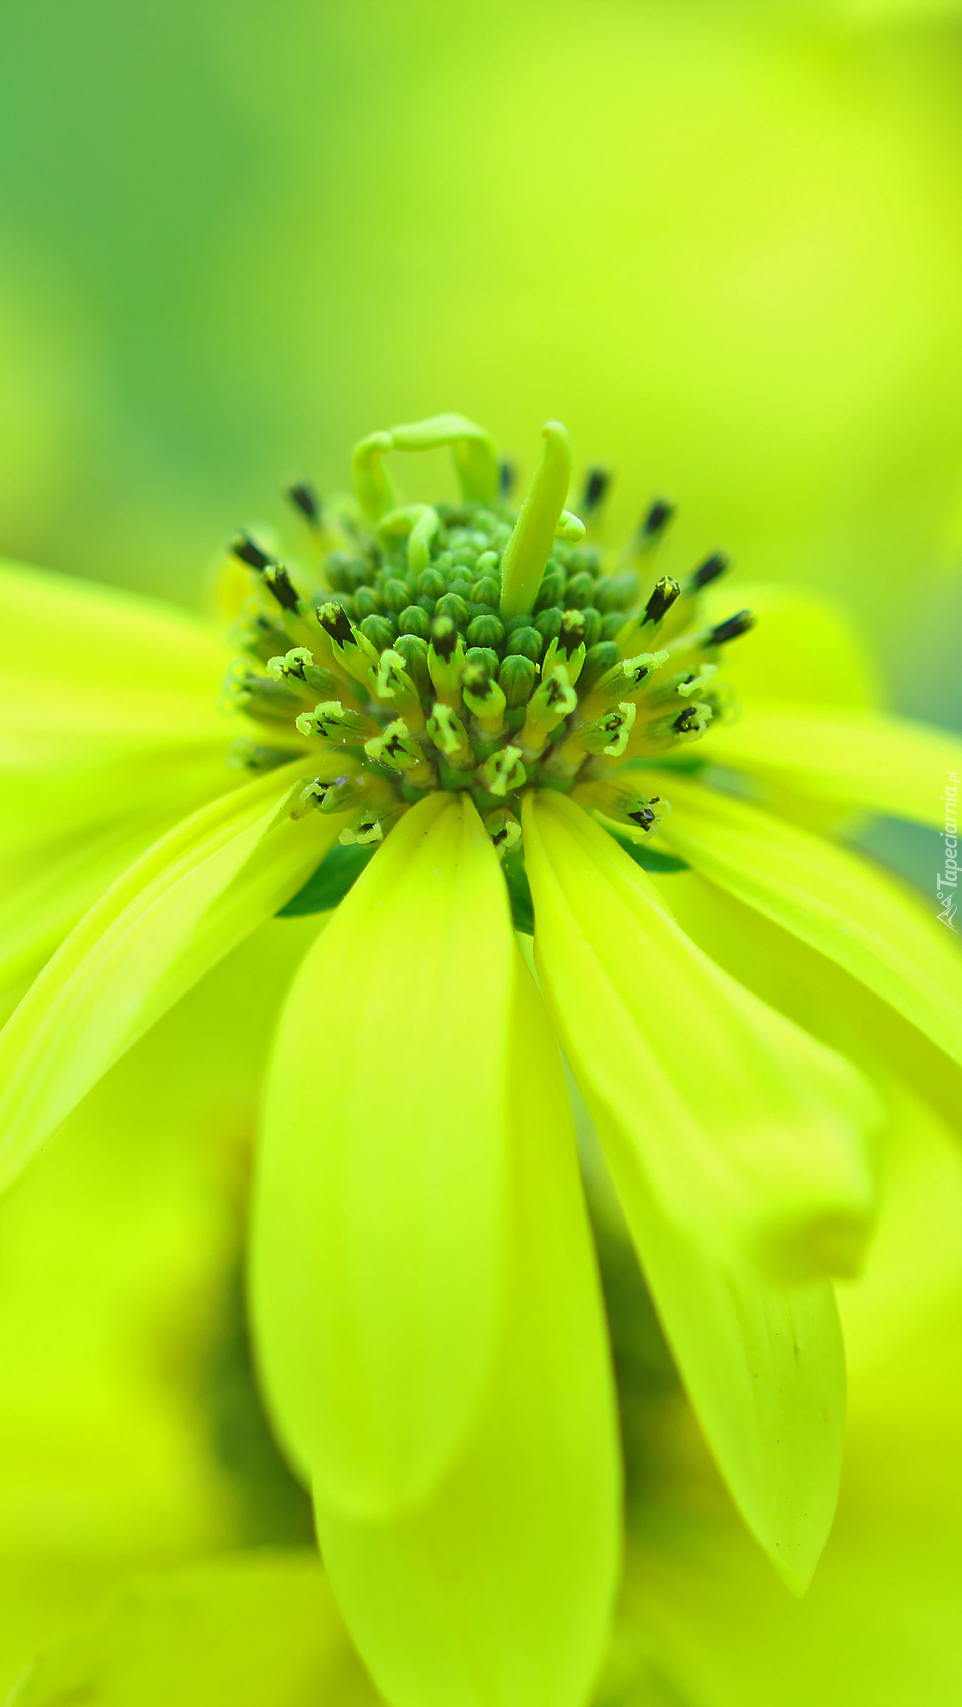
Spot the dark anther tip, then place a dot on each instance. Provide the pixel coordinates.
(336, 623)
(597, 482)
(735, 625)
(281, 586)
(444, 637)
(507, 474)
(244, 546)
(713, 566)
(657, 519)
(573, 631)
(686, 719)
(644, 818)
(303, 494)
(665, 593)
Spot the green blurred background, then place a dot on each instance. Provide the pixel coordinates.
(721, 240)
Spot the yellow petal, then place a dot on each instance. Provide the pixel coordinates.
(804, 648)
(745, 1131)
(764, 1369)
(55, 862)
(498, 1592)
(256, 1629)
(173, 914)
(380, 1200)
(69, 630)
(885, 764)
(842, 905)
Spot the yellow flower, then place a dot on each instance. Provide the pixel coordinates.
(455, 716)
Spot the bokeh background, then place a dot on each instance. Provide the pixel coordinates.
(721, 239)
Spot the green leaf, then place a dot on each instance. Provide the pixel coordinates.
(519, 893)
(329, 884)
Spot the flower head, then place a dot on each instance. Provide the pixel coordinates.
(458, 717)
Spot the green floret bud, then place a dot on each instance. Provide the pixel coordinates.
(485, 631)
(453, 606)
(413, 649)
(379, 631)
(516, 679)
(527, 642)
(431, 584)
(414, 620)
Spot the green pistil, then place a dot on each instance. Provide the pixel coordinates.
(471, 647)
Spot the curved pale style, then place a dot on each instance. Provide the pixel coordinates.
(861, 759)
(840, 904)
(172, 915)
(498, 1592)
(379, 1211)
(740, 1126)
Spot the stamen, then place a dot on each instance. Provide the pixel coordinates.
(450, 737)
(244, 546)
(731, 629)
(303, 494)
(446, 661)
(597, 483)
(645, 625)
(552, 702)
(396, 748)
(505, 831)
(503, 772)
(655, 524)
(709, 571)
(335, 722)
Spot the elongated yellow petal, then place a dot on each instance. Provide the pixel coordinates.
(844, 906)
(498, 1592)
(747, 1133)
(177, 911)
(380, 1201)
(885, 764)
(764, 1368)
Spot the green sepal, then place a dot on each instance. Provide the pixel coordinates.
(328, 885)
(519, 893)
(650, 859)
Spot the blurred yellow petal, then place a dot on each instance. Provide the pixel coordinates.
(250, 1630)
(842, 905)
(765, 1372)
(885, 764)
(498, 1592)
(63, 864)
(880, 1622)
(379, 1217)
(173, 914)
(804, 649)
(742, 1129)
(69, 631)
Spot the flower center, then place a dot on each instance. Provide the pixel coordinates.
(398, 666)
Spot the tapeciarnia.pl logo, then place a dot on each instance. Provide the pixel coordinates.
(947, 881)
